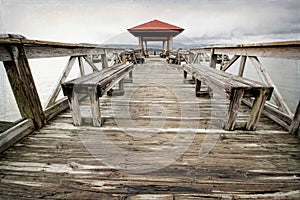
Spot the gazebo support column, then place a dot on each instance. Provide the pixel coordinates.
(164, 45)
(156, 30)
(140, 42)
(168, 46)
(170, 43)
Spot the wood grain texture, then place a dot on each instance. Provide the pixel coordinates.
(53, 163)
(235, 88)
(23, 86)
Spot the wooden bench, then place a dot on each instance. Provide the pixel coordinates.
(235, 88)
(94, 85)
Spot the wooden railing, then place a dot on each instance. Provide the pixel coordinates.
(280, 112)
(15, 50)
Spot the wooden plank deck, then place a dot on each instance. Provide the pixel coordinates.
(159, 141)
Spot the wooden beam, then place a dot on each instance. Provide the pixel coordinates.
(232, 60)
(273, 113)
(15, 133)
(23, 87)
(46, 49)
(213, 59)
(117, 58)
(257, 109)
(104, 61)
(195, 59)
(75, 107)
(93, 66)
(242, 65)
(279, 100)
(81, 66)
(56, 108)
(94, 99)
(62, 79)
(236, 99)
(286, 50)
(295, 125)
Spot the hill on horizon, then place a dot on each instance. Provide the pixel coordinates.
(126, 40)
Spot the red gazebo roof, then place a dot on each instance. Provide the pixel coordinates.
(155, 30)
(155, 25)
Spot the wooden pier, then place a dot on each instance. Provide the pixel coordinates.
(158, 141)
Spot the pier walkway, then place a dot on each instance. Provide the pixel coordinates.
(158, 141)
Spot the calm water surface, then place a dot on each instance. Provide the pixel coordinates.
(46, 72)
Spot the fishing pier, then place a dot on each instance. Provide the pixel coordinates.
(149, 131)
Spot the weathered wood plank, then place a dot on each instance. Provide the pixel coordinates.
(231, 61)
(286, 50)
(97, 82)
(94, 99)
(53, 110)
(53, 163)
(15, 133)
(75, 107)
(236, 99)
(274, 114)
(230, 84)
(279, 100)
(62, 79)
(104, 60)
(95, 69)
(295, 125)
(4, 125)
(23, 87)
(46, 49)
(242, 65)
(257, 108)
(81, 66)
(213, 58)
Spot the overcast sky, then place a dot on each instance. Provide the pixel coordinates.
(205, 21)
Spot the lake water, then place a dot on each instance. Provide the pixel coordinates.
(46, 72)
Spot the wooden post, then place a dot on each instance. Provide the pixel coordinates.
(242, 65)
(104, 61)
(123, 58)
(23, 87)
(194, 58)
(213, 58)
(117, 58)
(235, 102)
(295, 125)
(121, 85)
(256, 110)
(81, 66)
(184, 74)
(75, 107)
(94, 99)
(197, 88)
(130, 79)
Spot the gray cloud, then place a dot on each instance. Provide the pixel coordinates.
(207, 21)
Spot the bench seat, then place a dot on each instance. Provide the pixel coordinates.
(94, 85)
(235, 88)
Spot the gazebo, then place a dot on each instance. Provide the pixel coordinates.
(156, 30)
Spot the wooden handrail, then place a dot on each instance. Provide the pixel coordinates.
(284, 49)
(46, 49)
(15, 50)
